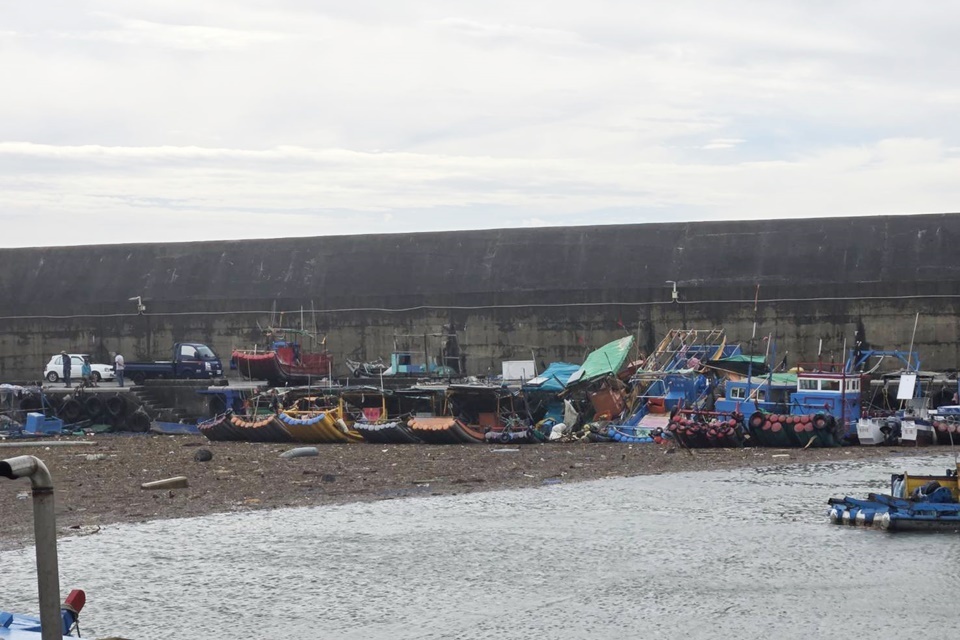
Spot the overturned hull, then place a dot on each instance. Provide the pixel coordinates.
(444, 430)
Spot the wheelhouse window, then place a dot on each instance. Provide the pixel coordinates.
(830, 385)
(738, 393)
(807, 384)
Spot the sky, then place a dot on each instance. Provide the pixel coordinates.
(176, 121)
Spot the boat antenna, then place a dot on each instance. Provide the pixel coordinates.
(912, 337)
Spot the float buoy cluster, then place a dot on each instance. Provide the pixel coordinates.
(859, 517)
(786, 430)
(695, 431)
(947, 431)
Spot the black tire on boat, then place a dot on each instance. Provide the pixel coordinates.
(138, 422)
(756, 420)
(31, 402)
(94, 407)
(116, 405)
(505, 438)
(71, 410)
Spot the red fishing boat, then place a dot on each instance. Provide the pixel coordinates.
(283, 361)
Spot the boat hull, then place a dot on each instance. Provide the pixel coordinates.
(444, 430)
(275, 369)
(391, 432)
(316, 428)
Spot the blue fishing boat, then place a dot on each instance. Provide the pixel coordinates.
(671, 379)
(56, 620)
(915, 503)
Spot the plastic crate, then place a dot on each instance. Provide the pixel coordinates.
(39, 424)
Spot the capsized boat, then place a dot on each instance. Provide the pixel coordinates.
(915, 503)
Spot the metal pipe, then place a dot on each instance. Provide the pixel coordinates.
(45, 532)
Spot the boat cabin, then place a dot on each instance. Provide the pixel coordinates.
(771, 394)
(833, 391)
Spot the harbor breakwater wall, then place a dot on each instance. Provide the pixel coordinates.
(555, 293)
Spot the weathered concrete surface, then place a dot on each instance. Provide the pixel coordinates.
(557, 291)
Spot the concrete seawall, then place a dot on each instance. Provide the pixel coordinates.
(555, 292)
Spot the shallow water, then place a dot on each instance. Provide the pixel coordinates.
(733, 554)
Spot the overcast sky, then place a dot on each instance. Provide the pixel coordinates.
(173, 120)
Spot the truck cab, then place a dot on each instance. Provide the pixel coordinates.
(196, 360)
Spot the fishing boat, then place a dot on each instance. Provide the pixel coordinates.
(469, 413)
(493, 412)
(908, 419)
(373, 413)
(56, 620)
(388, 422)
(672, 392)
(283, 361)
(915, 503)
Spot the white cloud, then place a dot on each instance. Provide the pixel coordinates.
(723, 143)
(186, 37)
(336, 117)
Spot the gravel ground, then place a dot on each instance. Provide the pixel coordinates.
(99, 485)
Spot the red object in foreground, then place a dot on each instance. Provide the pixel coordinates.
(76, 600)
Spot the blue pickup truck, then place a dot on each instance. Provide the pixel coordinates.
(190, 360)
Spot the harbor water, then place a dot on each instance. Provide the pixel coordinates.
(746, 553)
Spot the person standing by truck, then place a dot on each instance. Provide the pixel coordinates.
(65, 358)
(118, 368)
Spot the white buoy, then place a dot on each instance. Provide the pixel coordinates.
(884, 522)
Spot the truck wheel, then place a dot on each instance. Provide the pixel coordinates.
(138, 378)
(95, 376)
(52, 376)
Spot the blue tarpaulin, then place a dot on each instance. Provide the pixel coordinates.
(553, 379)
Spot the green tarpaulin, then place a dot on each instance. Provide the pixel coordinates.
(605, 361)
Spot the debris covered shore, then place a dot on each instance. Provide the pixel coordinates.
(99, 484)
